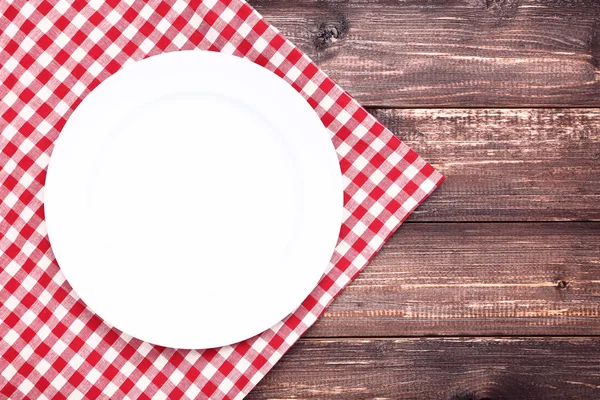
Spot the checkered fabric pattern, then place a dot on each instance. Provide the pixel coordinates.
(52, 54)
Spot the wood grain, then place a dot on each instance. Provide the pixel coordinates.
(437, 368)
(450, 52)
(475, 279)
(506, 164)
(488, 263)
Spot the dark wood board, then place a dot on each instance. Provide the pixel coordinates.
(475, 279)
(466, 300)
(450, 52)
(436, 368)
(506, 164)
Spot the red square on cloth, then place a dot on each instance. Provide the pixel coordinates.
(52, 54)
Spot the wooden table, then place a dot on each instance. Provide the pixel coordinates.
(492, 288)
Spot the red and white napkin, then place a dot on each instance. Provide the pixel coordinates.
(52, 54)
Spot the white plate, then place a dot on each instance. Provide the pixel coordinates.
(193, 199)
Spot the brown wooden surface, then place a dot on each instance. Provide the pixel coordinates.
(506, 164)
(466, 300)
(475, 279)
(437, 368)
(450, 52)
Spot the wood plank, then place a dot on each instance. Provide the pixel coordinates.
(475, 279)
(436, 368)
(450, 53)
(506, 164)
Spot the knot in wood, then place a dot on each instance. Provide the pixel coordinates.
(498, 5)
(329, 33)
(326, 36)
(562, 284)
(501, 9)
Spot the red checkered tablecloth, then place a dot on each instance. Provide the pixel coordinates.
(52, 54)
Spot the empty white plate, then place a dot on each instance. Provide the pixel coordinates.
(193, 199)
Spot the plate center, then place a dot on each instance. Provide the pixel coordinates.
(233, 178)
